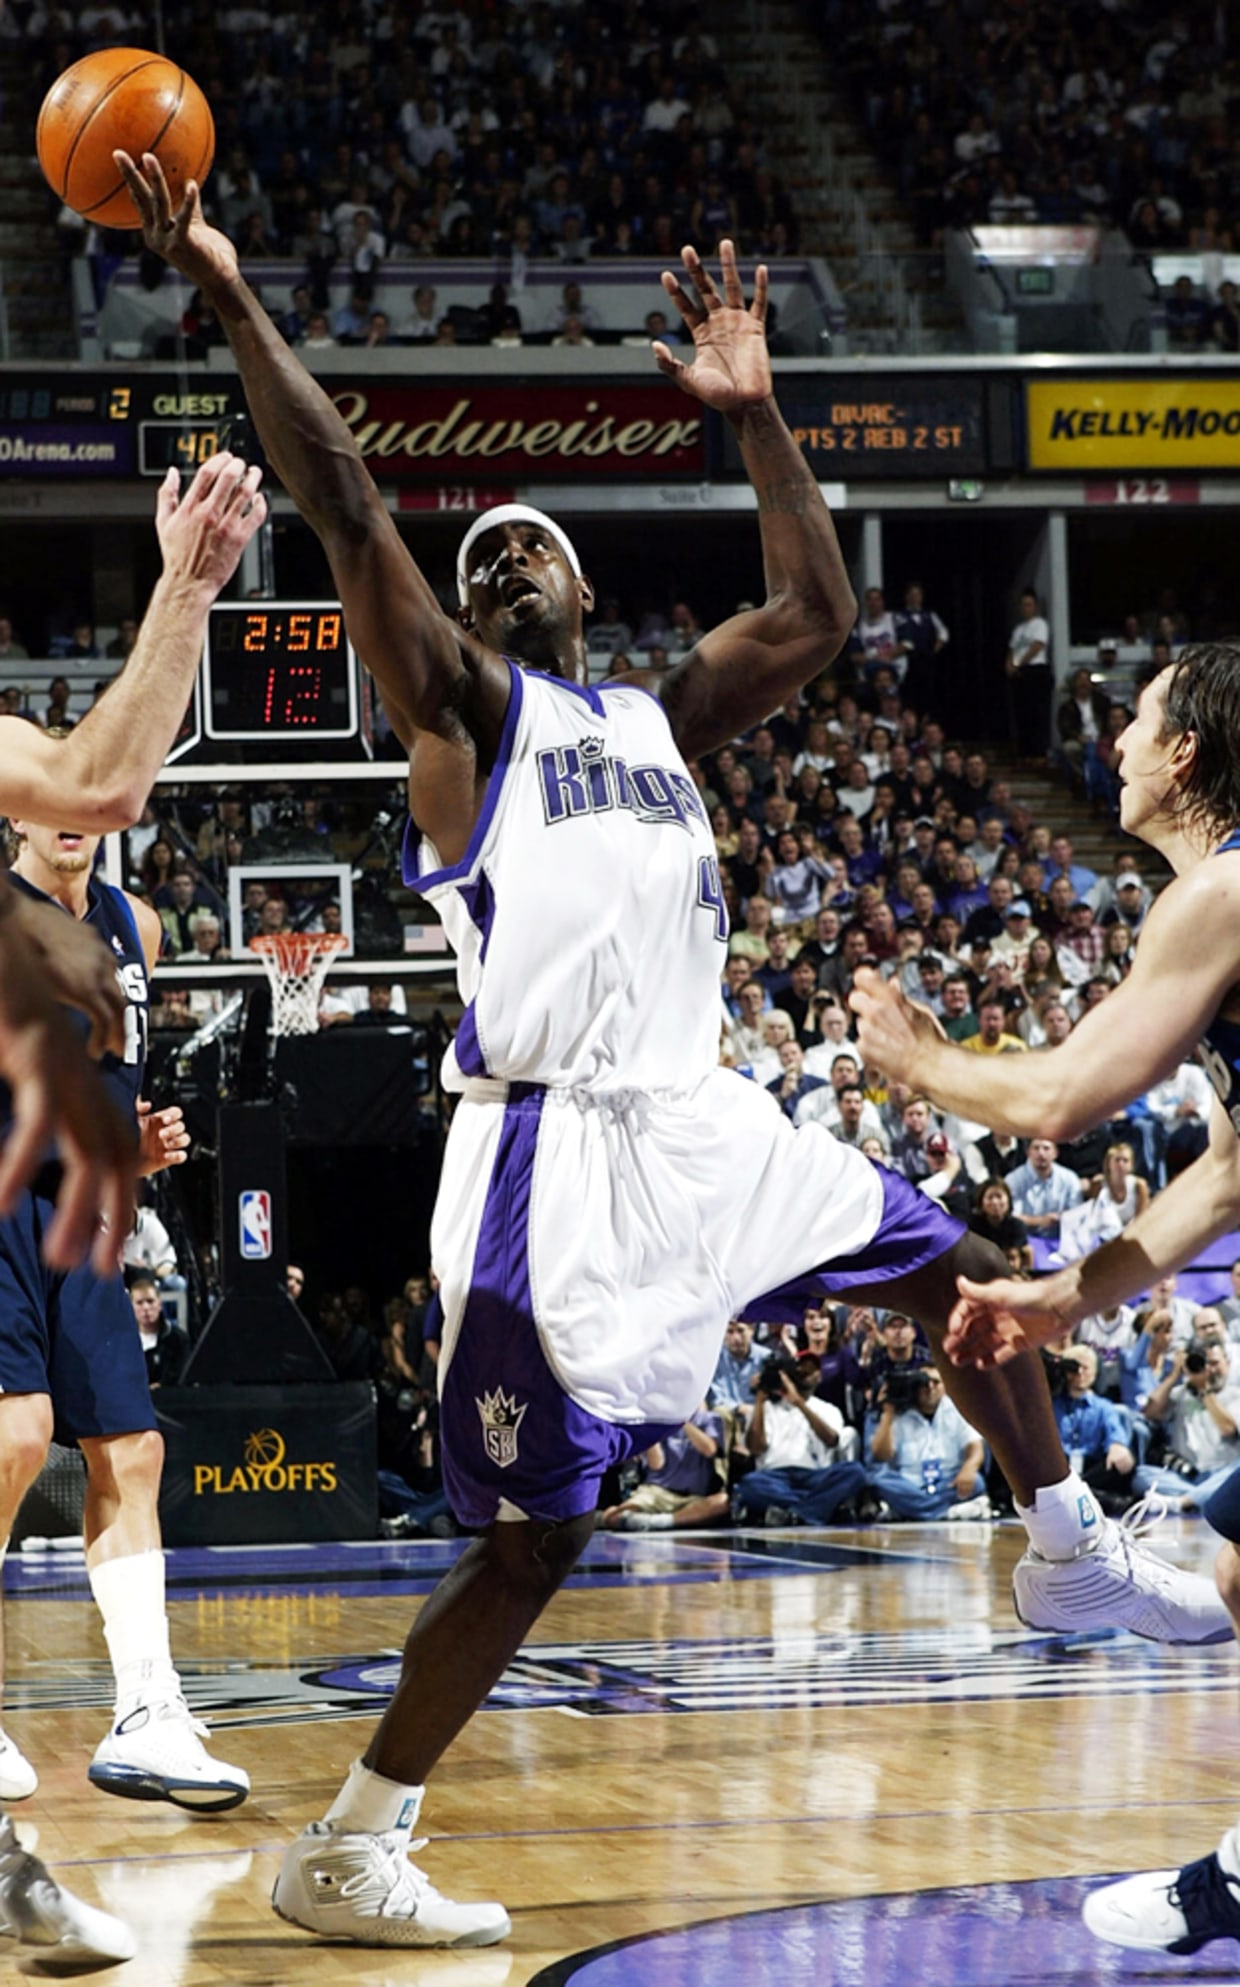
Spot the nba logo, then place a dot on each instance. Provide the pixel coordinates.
(255, 1210)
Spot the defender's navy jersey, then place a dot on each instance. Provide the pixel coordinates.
(109, 914)
(1219, 1047)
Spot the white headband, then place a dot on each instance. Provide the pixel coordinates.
(509, 514)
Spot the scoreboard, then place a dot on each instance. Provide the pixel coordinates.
(105, 425)
(278, 670)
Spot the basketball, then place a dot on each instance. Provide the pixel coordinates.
(121, 99)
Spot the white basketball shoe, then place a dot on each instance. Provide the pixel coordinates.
(1120, 1583)
(154, 1752)
(1170, 1911)
(46, 1921)
(365, 1889)
(18, 1778)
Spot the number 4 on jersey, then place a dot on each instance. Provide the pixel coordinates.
(710, 895)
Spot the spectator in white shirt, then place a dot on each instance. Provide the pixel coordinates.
(1027, 664)
(876, 638)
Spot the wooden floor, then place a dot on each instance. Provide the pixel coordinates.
(702, 1729)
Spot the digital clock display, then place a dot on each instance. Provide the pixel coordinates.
(164, 445)
(279, 669)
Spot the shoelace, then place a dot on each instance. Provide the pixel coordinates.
(1207, 1896)
(396, 1885)
(1130, 1533)
(1142, 1517)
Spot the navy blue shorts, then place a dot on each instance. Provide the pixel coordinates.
(1222, 1511)
(71, 1336)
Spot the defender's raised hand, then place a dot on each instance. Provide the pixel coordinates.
(183, 238)
(203, 533)
(731, 367)
(893, 1032)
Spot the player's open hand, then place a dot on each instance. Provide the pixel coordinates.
(75, 966)
(893, 1032)
(57, 1094)
(731, 367)
(203, 533)
(991, 1323)
(162, 1138)
(183, 237)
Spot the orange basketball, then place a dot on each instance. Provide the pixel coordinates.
(121, 99)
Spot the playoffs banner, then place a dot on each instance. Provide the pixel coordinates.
(267, 1465)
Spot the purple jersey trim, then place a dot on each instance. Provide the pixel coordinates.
(556, 1453)
(913, 1230)
(413, 834)
(469, 1057)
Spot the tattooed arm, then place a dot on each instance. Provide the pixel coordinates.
(748, 666)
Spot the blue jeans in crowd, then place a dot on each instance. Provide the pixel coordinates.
(1169, 1483)
(398, 1500)
(812, 1496)
(918, 1500)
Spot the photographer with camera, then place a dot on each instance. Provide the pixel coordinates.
(926, 1460)
(896, 1348)
(795, 1442)
(1096, 1433)
(1200, 1410)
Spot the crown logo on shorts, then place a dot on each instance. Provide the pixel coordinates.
(501, 1418)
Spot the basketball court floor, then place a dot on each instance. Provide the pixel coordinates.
(787, 1756)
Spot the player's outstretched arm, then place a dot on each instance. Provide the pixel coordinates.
(1187, 960)
(110, 761)
(748, 666)
(57, 1094)
(432, 676)
(993, 1322)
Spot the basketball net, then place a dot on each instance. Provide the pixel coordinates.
(296, 964)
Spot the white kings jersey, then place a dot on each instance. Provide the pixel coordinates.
(586, 914)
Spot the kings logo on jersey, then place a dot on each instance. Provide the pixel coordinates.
(254, 1208)
(501, 1418)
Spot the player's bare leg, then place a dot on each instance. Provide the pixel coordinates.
(154, 1749)
(25, 1431)
(1082, 1570)
(459, 1646)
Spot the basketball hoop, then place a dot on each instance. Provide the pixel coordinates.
(296, 964)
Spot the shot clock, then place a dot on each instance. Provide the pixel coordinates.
(279, 670)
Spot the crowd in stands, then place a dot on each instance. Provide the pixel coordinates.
(1060, 114)
(365, 135)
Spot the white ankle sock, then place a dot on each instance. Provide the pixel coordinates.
(1229, 1852)
(129, 1594)
(1064, 1520)
(368, 1804)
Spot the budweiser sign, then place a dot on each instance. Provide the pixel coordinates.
(406, 431)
